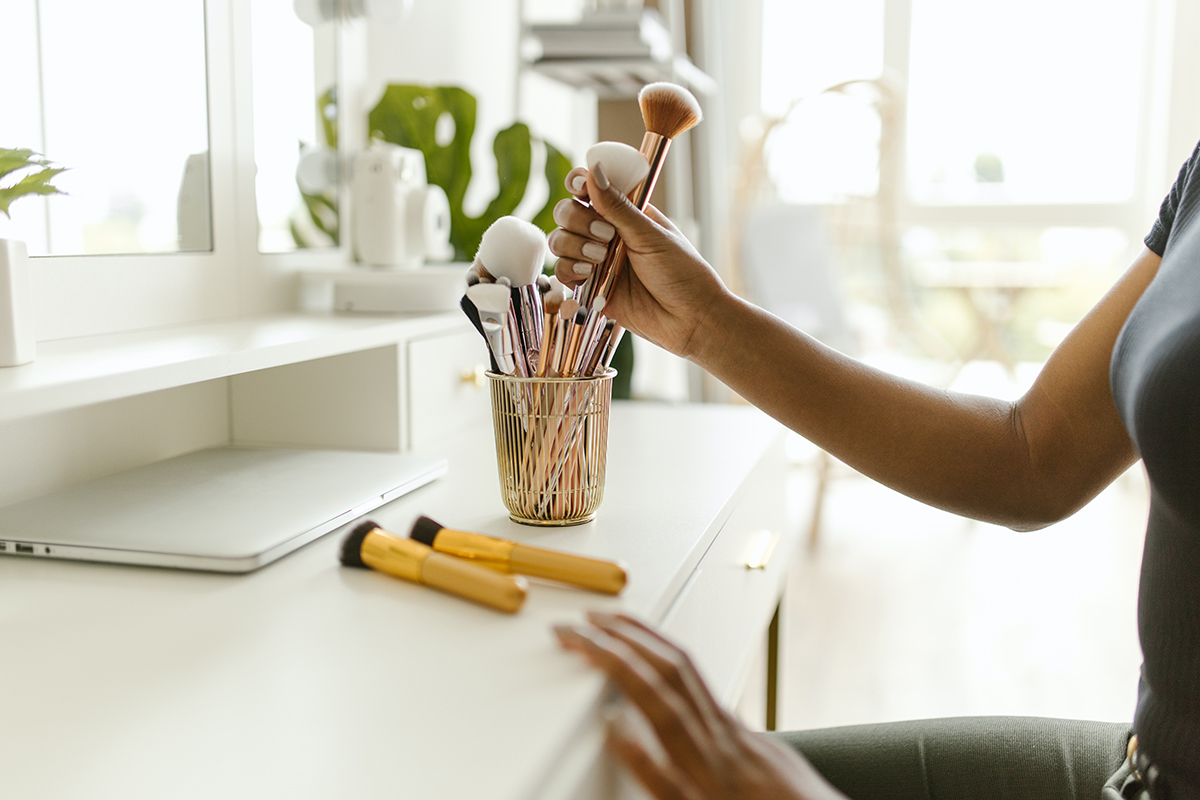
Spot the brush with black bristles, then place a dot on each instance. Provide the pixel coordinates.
(668, 111)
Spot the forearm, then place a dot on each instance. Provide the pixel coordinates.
(963, 453)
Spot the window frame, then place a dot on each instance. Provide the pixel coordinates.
(97, 294)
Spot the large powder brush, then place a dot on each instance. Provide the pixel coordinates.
(668, 111)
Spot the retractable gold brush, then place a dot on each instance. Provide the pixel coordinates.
(501, 554)
(371, 547)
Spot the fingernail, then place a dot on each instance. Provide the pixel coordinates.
(578, 183)
(601, 178)
(594, 252)
(583, 269)
(602, 230)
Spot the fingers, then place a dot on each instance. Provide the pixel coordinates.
(663, 782)
(576, 182)
(571, 272)
(638, 230)
(673, 720)
(672, 663)
(579, 248)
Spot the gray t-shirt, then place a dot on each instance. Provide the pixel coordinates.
(1155, 377)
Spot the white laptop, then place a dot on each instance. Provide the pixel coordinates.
(225, 509)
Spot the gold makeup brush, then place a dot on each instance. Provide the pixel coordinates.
(668, 111)
(551, 305)
(370, 546)
(506, 556)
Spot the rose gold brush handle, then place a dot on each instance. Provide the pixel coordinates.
(654, 148)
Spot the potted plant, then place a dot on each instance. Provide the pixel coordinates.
(32, 175)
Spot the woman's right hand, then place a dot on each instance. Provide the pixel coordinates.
(666, 293)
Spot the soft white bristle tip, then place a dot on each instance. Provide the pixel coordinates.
(624, 166)
(490, 297)
(514, 249)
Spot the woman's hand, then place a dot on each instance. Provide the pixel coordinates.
(709, 754)
(666, 292)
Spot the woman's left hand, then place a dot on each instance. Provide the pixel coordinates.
(709, 754)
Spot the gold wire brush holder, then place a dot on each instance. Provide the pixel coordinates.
(551, 445)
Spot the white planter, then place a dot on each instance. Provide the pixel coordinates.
(16, 305)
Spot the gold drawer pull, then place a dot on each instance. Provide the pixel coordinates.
(476, 376)
(762, 547)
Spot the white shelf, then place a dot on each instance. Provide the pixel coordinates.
(619, 78)
(75, 372)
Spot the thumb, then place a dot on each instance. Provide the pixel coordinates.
(638, 230)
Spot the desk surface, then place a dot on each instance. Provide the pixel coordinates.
(306, 679)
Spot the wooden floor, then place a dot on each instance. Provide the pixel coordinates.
(906, 612)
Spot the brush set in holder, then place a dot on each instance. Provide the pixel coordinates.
(550, 348)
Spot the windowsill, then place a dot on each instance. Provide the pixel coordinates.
(76, 372)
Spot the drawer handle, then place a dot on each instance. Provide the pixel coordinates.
(762, 547)
(477, 376)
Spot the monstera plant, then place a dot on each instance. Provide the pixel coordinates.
(410, 116)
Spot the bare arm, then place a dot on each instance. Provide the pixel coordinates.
(1024, 464)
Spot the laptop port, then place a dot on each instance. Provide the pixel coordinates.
(3, 546)
(25, 548)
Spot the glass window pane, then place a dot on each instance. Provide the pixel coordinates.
(295, 115)
(813, 44)
(124, 107)
(1027, 101)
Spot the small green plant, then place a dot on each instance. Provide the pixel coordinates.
(36, 180)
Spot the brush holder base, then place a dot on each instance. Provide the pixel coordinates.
(551, 446)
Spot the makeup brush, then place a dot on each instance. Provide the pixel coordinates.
(493, 301)
(371, 547)
(574, 342)
(515, 249)
(591, 332)
(668, 111)
(593, 362)
(507, 556)
(472, 313)
(550, 305)
(566, 316)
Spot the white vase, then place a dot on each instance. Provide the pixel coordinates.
(16, 305)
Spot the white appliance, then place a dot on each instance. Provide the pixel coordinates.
(399, 219)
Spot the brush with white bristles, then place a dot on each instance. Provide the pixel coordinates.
(668, 111)
(493, 301)
(515, 249)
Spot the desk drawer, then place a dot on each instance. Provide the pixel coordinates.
(722, 613)
(446, 387)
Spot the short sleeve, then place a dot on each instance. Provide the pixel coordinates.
(1156, 240)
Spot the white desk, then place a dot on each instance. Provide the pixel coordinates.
(309, 680)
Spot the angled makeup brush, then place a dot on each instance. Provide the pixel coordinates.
(515, 249)
(668, 111)
(493, 301)
(473, 315)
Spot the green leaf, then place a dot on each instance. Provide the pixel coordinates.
(35, 183)
(408, 116)
(13, 160)
(322, 210)
(557, 167)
